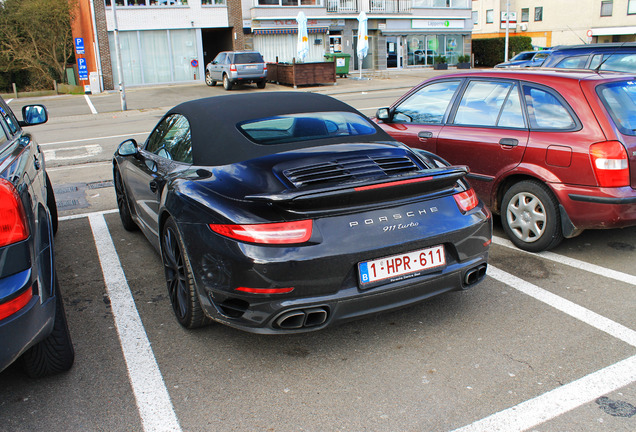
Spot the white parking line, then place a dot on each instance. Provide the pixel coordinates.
(552, 404)
(95, 138)
(556, 402)
(572, 262)
(90, 104)
(151, 394)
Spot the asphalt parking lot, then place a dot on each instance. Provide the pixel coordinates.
(546, 343)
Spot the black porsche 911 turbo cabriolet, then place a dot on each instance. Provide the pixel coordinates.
(286, 212)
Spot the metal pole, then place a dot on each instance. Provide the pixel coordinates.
(120, 69)
(507, 28)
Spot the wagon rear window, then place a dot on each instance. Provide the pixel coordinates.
(303, 127)
(620, 100)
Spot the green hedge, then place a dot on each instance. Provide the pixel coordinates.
(489, 52)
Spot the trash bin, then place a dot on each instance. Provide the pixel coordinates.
(342, 62)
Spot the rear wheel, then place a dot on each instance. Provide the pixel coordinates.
(227, 84)
(179, 278)
(261, 84)
(54, 354)
(208, 79)
(123, 204)
(50, 204)
(530, 216)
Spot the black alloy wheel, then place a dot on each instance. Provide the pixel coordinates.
(181, 290)
(123, 204)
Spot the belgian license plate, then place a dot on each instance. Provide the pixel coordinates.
(401, 266)
(251, 67)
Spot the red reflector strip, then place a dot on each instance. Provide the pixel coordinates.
(265, 290)
(391, 184)
(12, 306)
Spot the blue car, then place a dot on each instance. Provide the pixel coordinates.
(33, 326)
(526, 59)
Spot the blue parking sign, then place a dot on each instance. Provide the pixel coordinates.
(82, 69)
(79, 45)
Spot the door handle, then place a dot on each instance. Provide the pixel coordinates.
(509, 142)
(154, 186)
(425, 135)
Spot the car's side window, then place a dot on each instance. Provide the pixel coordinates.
(574, 62)
(3, 134)
(490, 103)
(171, 139)
(10, 120)
(219, 58)
(546, 111)
(428, 105)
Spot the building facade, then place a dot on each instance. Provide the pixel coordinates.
(552, 23)
(402, 33)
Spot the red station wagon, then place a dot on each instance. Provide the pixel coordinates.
(552, 152)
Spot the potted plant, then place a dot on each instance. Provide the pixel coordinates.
(463, 61)
(439, 62)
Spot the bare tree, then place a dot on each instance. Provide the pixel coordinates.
(35, 35)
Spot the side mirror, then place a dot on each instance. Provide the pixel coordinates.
(34, 115)
(383, 114)
(128, 148)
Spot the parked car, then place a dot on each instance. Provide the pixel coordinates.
(526, 59)
(287, 212)
(237, 67)
(32, 320)
(553, 152)
(619, 57)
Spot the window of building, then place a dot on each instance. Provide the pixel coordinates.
(489, 16)
(475, 17)
(606, 7)
(538, 13)
(525, 14)
(290, 2)
(631, 7)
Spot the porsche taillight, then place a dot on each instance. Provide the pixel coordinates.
(13, 222)
(270, 233)
(14, 305)
(609, 160)
(466, 200)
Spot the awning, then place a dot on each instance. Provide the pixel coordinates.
(277, 31)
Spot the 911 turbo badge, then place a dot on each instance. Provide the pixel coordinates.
(269, 228)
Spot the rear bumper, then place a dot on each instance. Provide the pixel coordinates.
(28, 326)
(598, 208)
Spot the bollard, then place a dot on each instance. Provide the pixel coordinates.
(55, 87)
(15, 91)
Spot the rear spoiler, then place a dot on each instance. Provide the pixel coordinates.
(437, 180)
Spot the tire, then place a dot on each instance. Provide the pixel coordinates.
(179, 278)
(51, 205)
(208, 79)
(123, 204)
(227, 84)
(261, 84)
(530, 216)
(54, 354)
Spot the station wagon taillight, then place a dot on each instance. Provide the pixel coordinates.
(609, 160)
(270, 233)
(13, 223)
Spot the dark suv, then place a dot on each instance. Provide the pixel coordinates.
(234, 67)
(619, 57)
(32, 320)
(553, 152)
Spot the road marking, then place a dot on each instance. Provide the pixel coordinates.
(90, 104)
(8, 101)
(572, 262)
(94, 138)
(89, 151)
(153, 401)
(552, 404)
(87, 215)
(80, 166)
(556, 402)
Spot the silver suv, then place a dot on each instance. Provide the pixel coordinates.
(234, 67)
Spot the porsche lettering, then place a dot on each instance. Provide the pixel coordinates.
(393, 217)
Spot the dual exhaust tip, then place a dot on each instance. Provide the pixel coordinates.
(302, 318)
(474, 275)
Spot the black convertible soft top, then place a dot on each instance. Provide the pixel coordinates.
(216, 139)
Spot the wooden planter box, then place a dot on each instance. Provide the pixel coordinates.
(302, 73)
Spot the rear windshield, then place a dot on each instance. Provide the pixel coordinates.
(307, 126)
(243, 58)
(620, 100)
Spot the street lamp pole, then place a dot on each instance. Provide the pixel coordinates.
(507, 29)
(120, 69)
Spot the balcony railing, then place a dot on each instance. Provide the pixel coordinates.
(343, 6)
(390, 6)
